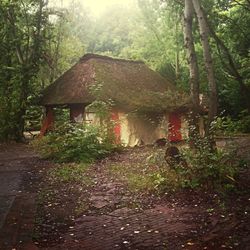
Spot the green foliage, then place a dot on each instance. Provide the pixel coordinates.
(149, 172)
(159, 180)
(71, 142)
(112, 31)
(70, 173)
(39, 42)
(62, 115)
(33, 117)
(211, 169)
(24, 26)
(133, 177)
(71, 34)
(227, 126)
(137, 183)
(167, 178)
(231, 23)
(205, 169)
(101, 108)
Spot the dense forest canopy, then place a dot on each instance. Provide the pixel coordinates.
(40, 39)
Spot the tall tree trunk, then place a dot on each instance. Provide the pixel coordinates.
(177, 64)
(193, 66)
(177, 52)
(54, 70)
(204, 31)
(20, 113)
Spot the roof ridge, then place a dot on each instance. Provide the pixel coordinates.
(91, 55)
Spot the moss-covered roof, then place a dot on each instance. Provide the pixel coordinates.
(130, 84)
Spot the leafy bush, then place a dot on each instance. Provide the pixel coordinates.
(227, 126)
(208, 168)
(71, 142)
(147, 170)
(33, 118)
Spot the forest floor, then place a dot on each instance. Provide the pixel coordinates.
(45, 206)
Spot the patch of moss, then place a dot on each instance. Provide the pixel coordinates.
(71, 173)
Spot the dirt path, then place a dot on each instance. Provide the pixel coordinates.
(113, 217)
(187, 221)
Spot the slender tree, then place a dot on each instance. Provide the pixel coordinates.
(193, 65)
(204, 34)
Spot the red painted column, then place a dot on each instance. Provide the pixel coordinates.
(117, 127)
(174, 129)
(48, 121)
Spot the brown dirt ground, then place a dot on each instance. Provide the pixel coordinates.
(104, 215)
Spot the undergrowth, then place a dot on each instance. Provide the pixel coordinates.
(148, 172)
(225, 125)
(70, 173)
(73, 142)
(204, 169)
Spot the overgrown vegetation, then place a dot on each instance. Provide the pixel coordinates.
(69, 173)
(228, 126)
(72, 142)
(214, 169)
(41, 39)
(24, 40)
(147, 170)
(204, 170)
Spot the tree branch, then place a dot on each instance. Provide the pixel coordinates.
(232, 69)
(242, 4)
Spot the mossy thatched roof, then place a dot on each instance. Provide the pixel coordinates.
(130, 84)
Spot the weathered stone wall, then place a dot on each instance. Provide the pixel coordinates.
(239, 143)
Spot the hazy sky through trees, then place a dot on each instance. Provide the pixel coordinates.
(97, 7)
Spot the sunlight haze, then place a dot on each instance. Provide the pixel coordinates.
(97, 7)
